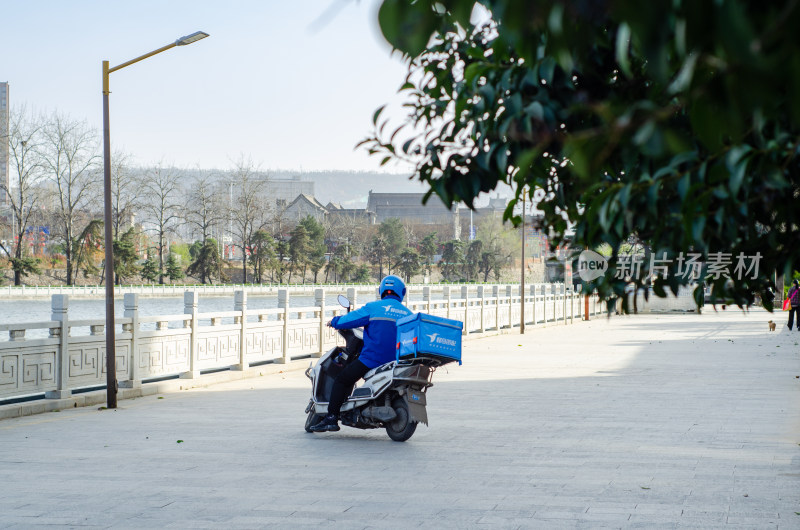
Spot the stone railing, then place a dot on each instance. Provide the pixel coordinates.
(72, 355)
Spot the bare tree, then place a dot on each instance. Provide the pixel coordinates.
(70, 157)
(249, 208)
(22, 194)
(203, 209)
(162, 208)
(126, 191)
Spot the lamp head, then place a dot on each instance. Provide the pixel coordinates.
(188, 39)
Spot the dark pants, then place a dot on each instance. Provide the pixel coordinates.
(794, 313)
(343, 385)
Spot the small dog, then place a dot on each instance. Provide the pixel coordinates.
(771, 325)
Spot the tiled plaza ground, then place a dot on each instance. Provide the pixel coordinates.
(652, 421)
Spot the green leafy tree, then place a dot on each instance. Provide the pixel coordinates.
(427, 250)
(361, 274)
(194, 250)
(181, 251)
(85, 247)
(282, 250)
(340, 265)
(149, 270)
(378, 252)
(207, 263)
(409, 263)
(491, 262)
(24, 266)
(262, 256)
(174, 270)
(472, 259)
(677, 123)
(316, 245)
(125, 256)
(298, 250)
(394, 237)
(452, 260)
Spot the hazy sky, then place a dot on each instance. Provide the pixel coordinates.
(293, 83)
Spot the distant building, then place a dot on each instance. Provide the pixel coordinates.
(302, 207)
(337, 213)
(287, 189)
(5, 174)
(409, 207)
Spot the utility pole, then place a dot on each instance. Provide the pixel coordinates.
(522, 276)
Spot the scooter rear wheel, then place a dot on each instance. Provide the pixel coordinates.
(312, 419)
(401, 428)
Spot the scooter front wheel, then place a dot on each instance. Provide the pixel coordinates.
(312, 419)
(401, 427)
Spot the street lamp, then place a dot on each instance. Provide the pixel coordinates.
(111, 364)
(522, 275)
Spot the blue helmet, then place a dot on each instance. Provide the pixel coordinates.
(394, 285)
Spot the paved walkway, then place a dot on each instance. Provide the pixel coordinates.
(652, 421)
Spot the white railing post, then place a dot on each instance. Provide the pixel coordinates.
(190, 308)
(465, 296)
(426, 297)
(509, 295)
(283, 303)
(496, 296)
(572, 304)
(60, 309)
(319, 301)
(352, 295)
(533, 295)
(131, 302)
(446, 296)
(240, 304)
(482, 303)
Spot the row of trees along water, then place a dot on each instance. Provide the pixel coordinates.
(169, 223)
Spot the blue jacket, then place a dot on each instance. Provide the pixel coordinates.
(380, 329)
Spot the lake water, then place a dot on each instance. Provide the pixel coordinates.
(39, 310)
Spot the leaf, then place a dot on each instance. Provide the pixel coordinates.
(546, 70)
(407, 26)
(736, 162)
(377, 115)
(623, 42)
(473, 72)
(535, 110)
(684, 78)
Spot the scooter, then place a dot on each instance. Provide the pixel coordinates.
(393, 395)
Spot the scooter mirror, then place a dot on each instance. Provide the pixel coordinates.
(344, 301)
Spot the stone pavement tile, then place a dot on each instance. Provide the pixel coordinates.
(661, 510)
(611, 508)
(651, 521)
(39, 526)
(756, 520)
(49, 521)
(24, 510)
(557, 513)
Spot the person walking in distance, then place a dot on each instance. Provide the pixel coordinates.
(794, 298)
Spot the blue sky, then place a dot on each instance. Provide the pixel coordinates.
(292, 83)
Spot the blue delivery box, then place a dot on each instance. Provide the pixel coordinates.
(424, 334)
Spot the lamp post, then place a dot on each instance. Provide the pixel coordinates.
(111, 365)
(522, 275)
